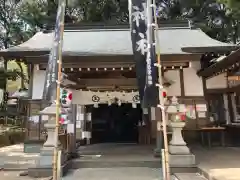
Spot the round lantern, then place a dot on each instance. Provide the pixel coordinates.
(63, 119)
(164, 94)
(66, 97)
(183, 117)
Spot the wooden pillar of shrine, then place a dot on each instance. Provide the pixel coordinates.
(80, 117)
(83, 124)
(144, 128)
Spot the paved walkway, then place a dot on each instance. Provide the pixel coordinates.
(13, 157)
(116, 162)
(14, 175)
(219, 163)
(117, 152)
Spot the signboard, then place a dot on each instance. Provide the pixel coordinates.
(233, 81)
(201, 107)
(190, 112)
(234, 78)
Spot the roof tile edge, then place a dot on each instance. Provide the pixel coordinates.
(118, 27)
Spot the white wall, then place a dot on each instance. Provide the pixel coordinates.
(193, 85)
(175, 88)
(217, 82)
(38, 83)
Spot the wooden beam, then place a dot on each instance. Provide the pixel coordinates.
(101, 74)
(182, 82)
(107, 82)
(112, 66)
(117, 60)
(222, 66)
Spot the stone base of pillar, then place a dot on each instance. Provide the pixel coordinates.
(42, 172)
(182, 160)
(179, 149)
(157, 153)
(72, 155)
(44, 167)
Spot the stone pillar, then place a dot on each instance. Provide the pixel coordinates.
(44, 164)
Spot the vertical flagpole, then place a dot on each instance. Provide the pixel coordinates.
(56, 174)
(166, 171)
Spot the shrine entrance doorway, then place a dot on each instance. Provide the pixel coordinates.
(115, 123)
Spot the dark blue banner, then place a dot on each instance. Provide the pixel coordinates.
(144, 54)
(50, 86)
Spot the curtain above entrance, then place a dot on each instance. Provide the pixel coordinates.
(91, 97)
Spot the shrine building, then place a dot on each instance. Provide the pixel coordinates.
(100, 69)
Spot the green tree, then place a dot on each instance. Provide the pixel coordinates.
(233, 7)
(12, 75)
(233, 12)
(104, 10)
(13, 30)
(211, 16)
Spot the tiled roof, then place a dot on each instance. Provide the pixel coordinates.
(97, 42)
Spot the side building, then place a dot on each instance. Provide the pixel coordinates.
(223, 94)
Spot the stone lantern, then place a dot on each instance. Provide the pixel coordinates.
(179, 152)
(44, 164)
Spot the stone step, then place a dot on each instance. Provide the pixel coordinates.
(77, 163)
(186, 169)
(122, 173)
(189, 176)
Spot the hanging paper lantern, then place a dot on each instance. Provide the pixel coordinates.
(63, 97)
(63, 119)
(183, 117)
(70, 96)
(164, 94)
(66, 97)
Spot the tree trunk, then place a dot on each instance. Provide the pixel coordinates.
(22, 78)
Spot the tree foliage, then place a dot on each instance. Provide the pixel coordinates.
(218, 20)
(19, 20)
(233, 7)
(103, 10)
(12, 28)
(11, 75)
